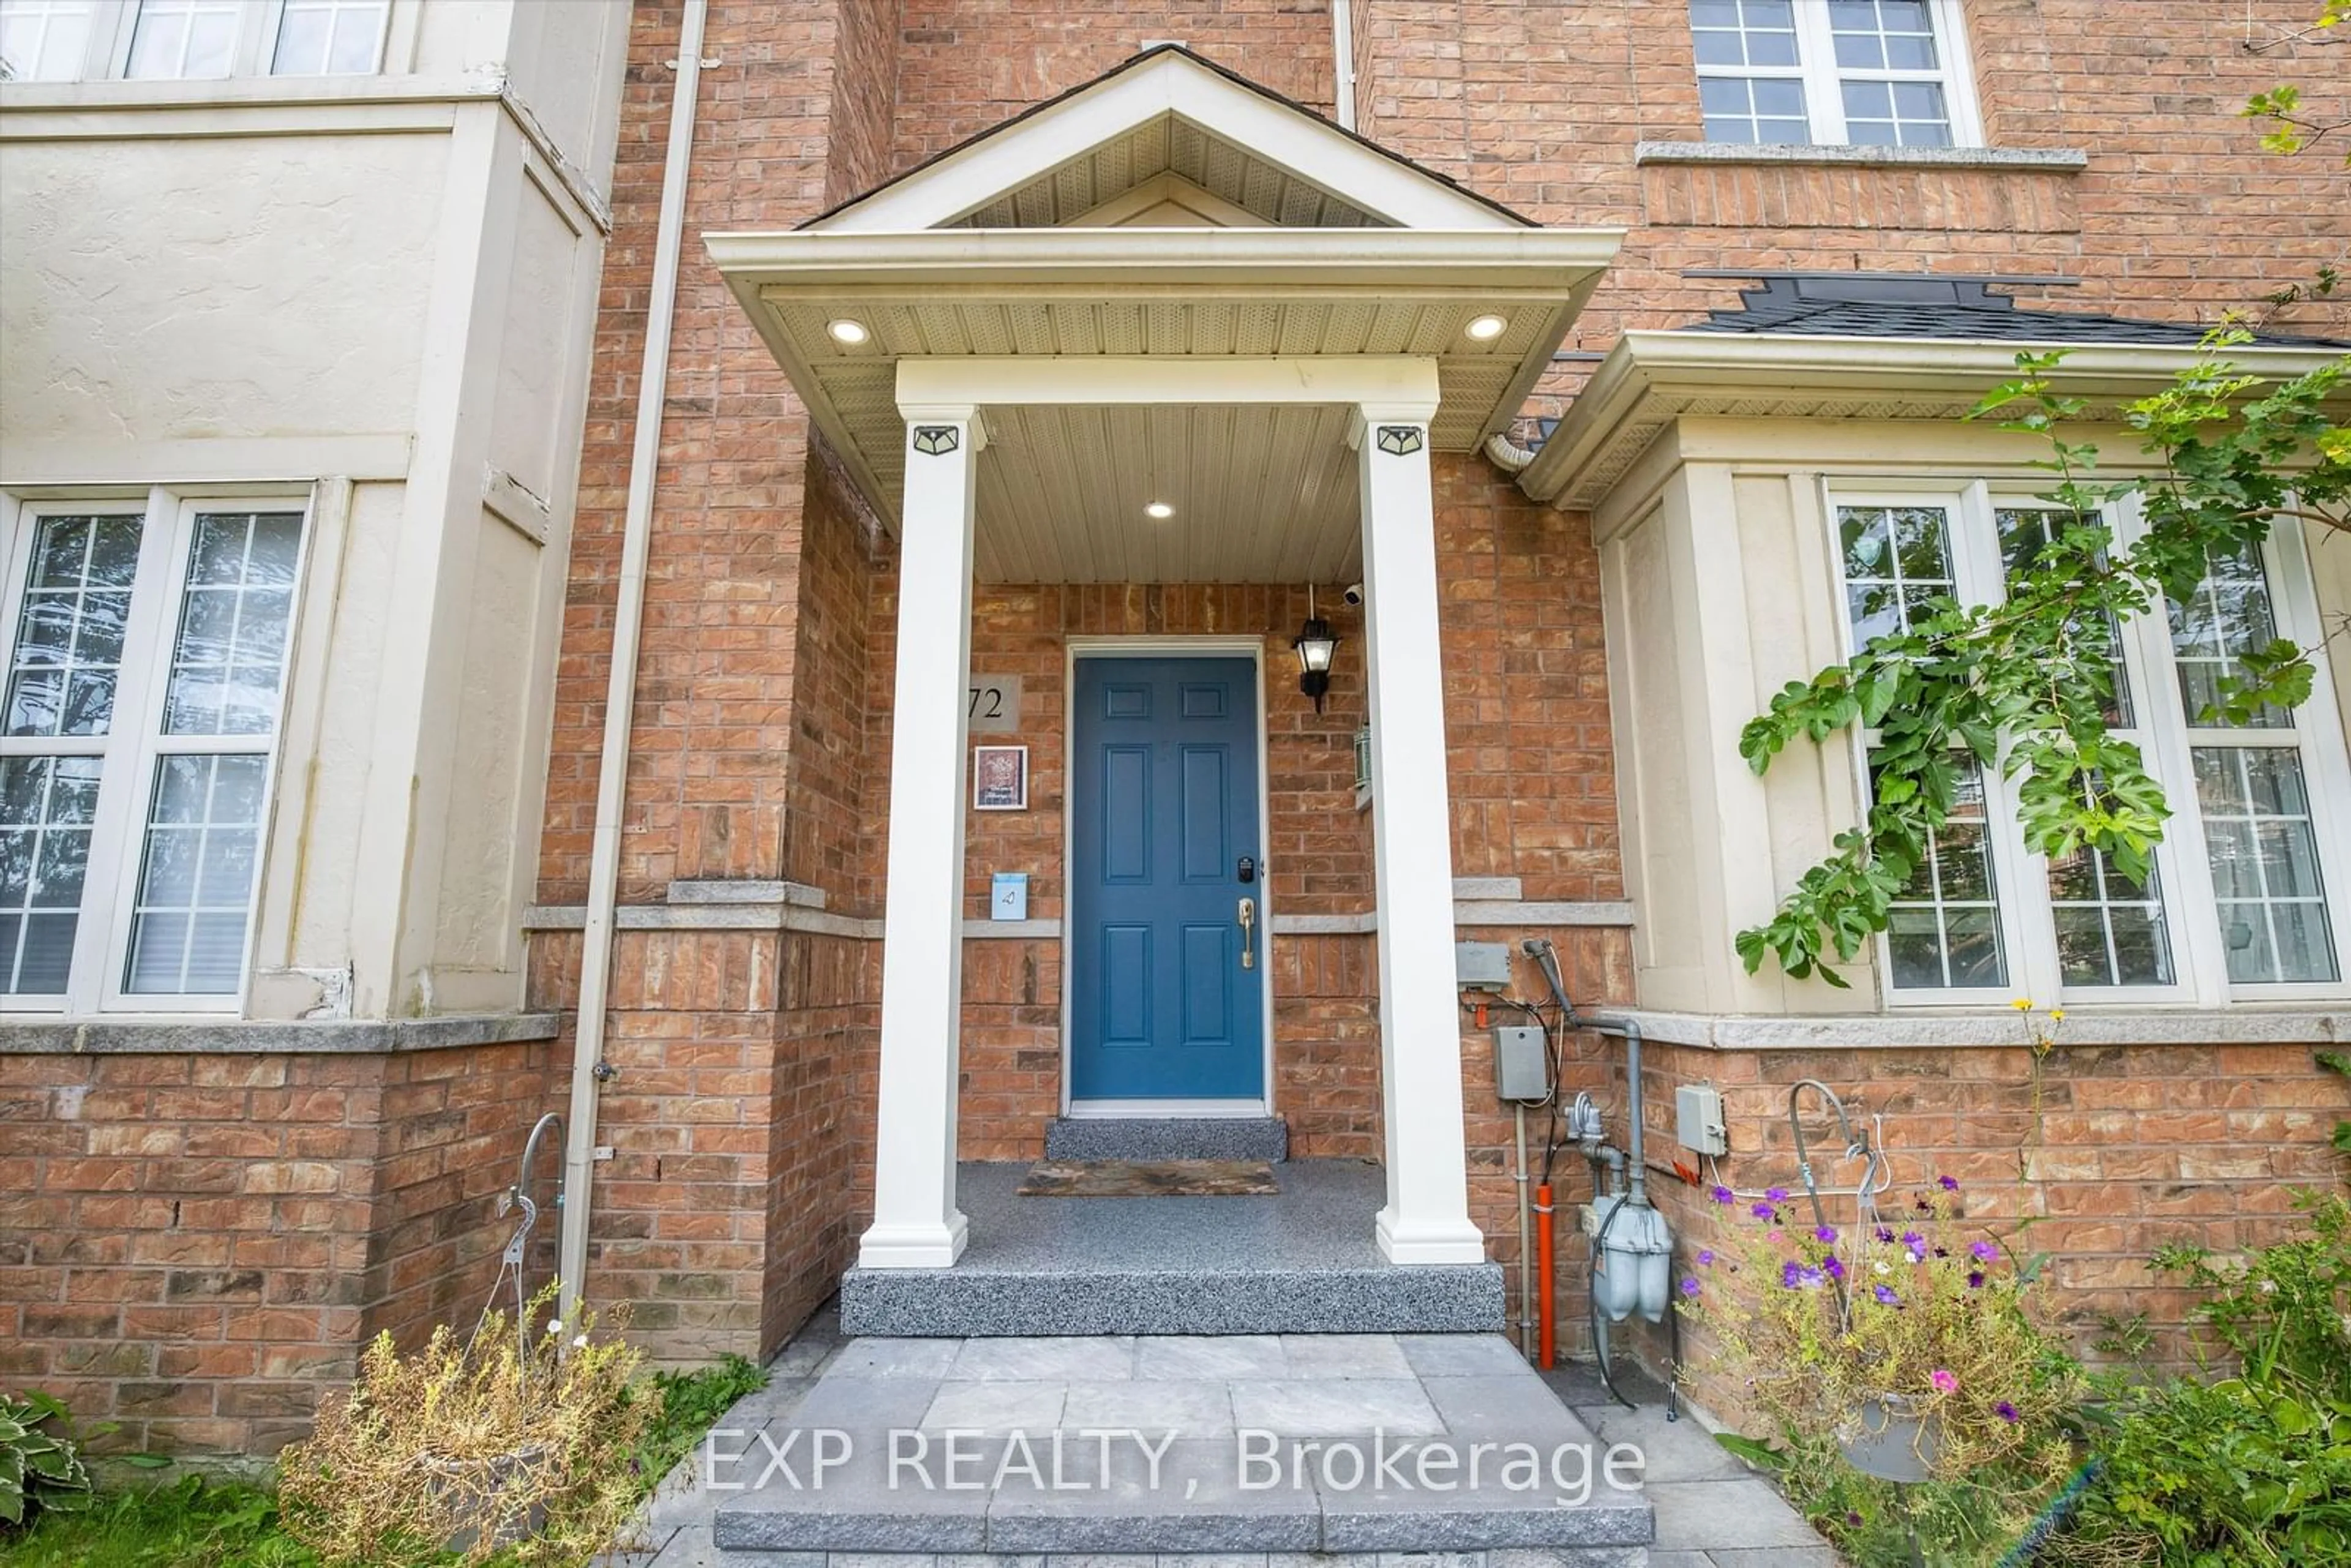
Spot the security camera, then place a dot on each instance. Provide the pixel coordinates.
(1355, 594)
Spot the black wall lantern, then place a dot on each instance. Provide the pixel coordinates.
(1315, 644)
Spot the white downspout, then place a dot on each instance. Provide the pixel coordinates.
(1343, 49)
(620, 689)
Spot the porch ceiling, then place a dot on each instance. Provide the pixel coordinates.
(1260, 493)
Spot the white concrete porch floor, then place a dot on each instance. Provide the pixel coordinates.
(1709, 1512)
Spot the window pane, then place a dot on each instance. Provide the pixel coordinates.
(2110, 929)
(1749, 109)
(1898, 567)
(2264, 857)
(1945, 930)
(195, 878)
(69, 651)
(44, 40)
(2025, 533)
(1872, 35)
(46, 806)
(184, 39)
(1743, 32)
(1896, 114)
(329, 38)
(228, 660)
(2230, 614)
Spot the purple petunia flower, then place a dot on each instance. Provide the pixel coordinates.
(1887, 1298)
(1975, 1279)
(1949, 1184)
(1776, 1194)
(1985, 1251)
(1851, 1518)
(1762, 1211)
(1706, 1257)
(1825, 1233)
(1790, 1272)
(1834, 1266)
(1884, 1233)
(2007, 1412)
(1913, 1241)
(1690, 1284)
(1724, 1194)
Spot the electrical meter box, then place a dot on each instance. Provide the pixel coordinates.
(1521, 1061)
(1482, 966)
(1698, 1119)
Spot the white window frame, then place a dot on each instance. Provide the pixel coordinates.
(114, 22)
(1816, 67)
(134, 741)
(2026, 918)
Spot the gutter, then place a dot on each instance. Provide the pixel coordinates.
(588, 1069)
(1342, 53)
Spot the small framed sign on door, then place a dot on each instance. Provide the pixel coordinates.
(999, 779)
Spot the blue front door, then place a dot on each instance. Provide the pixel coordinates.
(1167, 984)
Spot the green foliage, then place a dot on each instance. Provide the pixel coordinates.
(193, 1523)
(1972, 1521)
(2292, 127)
(40, 1462)
(2253, 1470)
(2026, 685)
(2335, 1062)
(690, 1402)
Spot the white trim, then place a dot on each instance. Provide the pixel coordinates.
(1112, 645)
(1168, 189)
(33, 468)
(1143, 380)
(993, 166)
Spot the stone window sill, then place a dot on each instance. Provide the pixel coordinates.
(2284, 1024)
(2048, 159)
(23, 1036)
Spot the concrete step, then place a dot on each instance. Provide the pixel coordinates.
(1303, 1261)
(1342, 1447)
(1167, 1139)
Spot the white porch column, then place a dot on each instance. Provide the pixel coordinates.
(1426, 1220)
(916, 1222)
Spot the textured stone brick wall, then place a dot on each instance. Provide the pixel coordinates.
(195, 1247)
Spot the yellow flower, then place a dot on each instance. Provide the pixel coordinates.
(2056, 1015)
(2023, 1004)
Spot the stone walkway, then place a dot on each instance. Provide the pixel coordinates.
(1709, 1512)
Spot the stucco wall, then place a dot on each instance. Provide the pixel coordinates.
(386, 297)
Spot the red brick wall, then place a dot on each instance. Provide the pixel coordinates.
(743, 1112)
(195, 1246)
(2108, 1152)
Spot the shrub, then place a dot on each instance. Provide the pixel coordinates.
(2253, 1470)
(508, 1440)
(40, 1462)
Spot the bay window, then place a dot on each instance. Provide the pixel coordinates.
(2244, 897)
(146, 667)
(77, 40)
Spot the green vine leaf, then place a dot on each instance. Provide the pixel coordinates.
(2027, 686)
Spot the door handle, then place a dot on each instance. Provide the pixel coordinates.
(1246, 915)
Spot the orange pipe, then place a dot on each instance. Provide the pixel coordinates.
(1546, 1329)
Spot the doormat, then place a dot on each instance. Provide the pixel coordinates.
(1149, 1178)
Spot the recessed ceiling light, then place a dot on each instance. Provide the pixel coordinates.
(846, 331)
(1486, 328)
(1159, 510)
